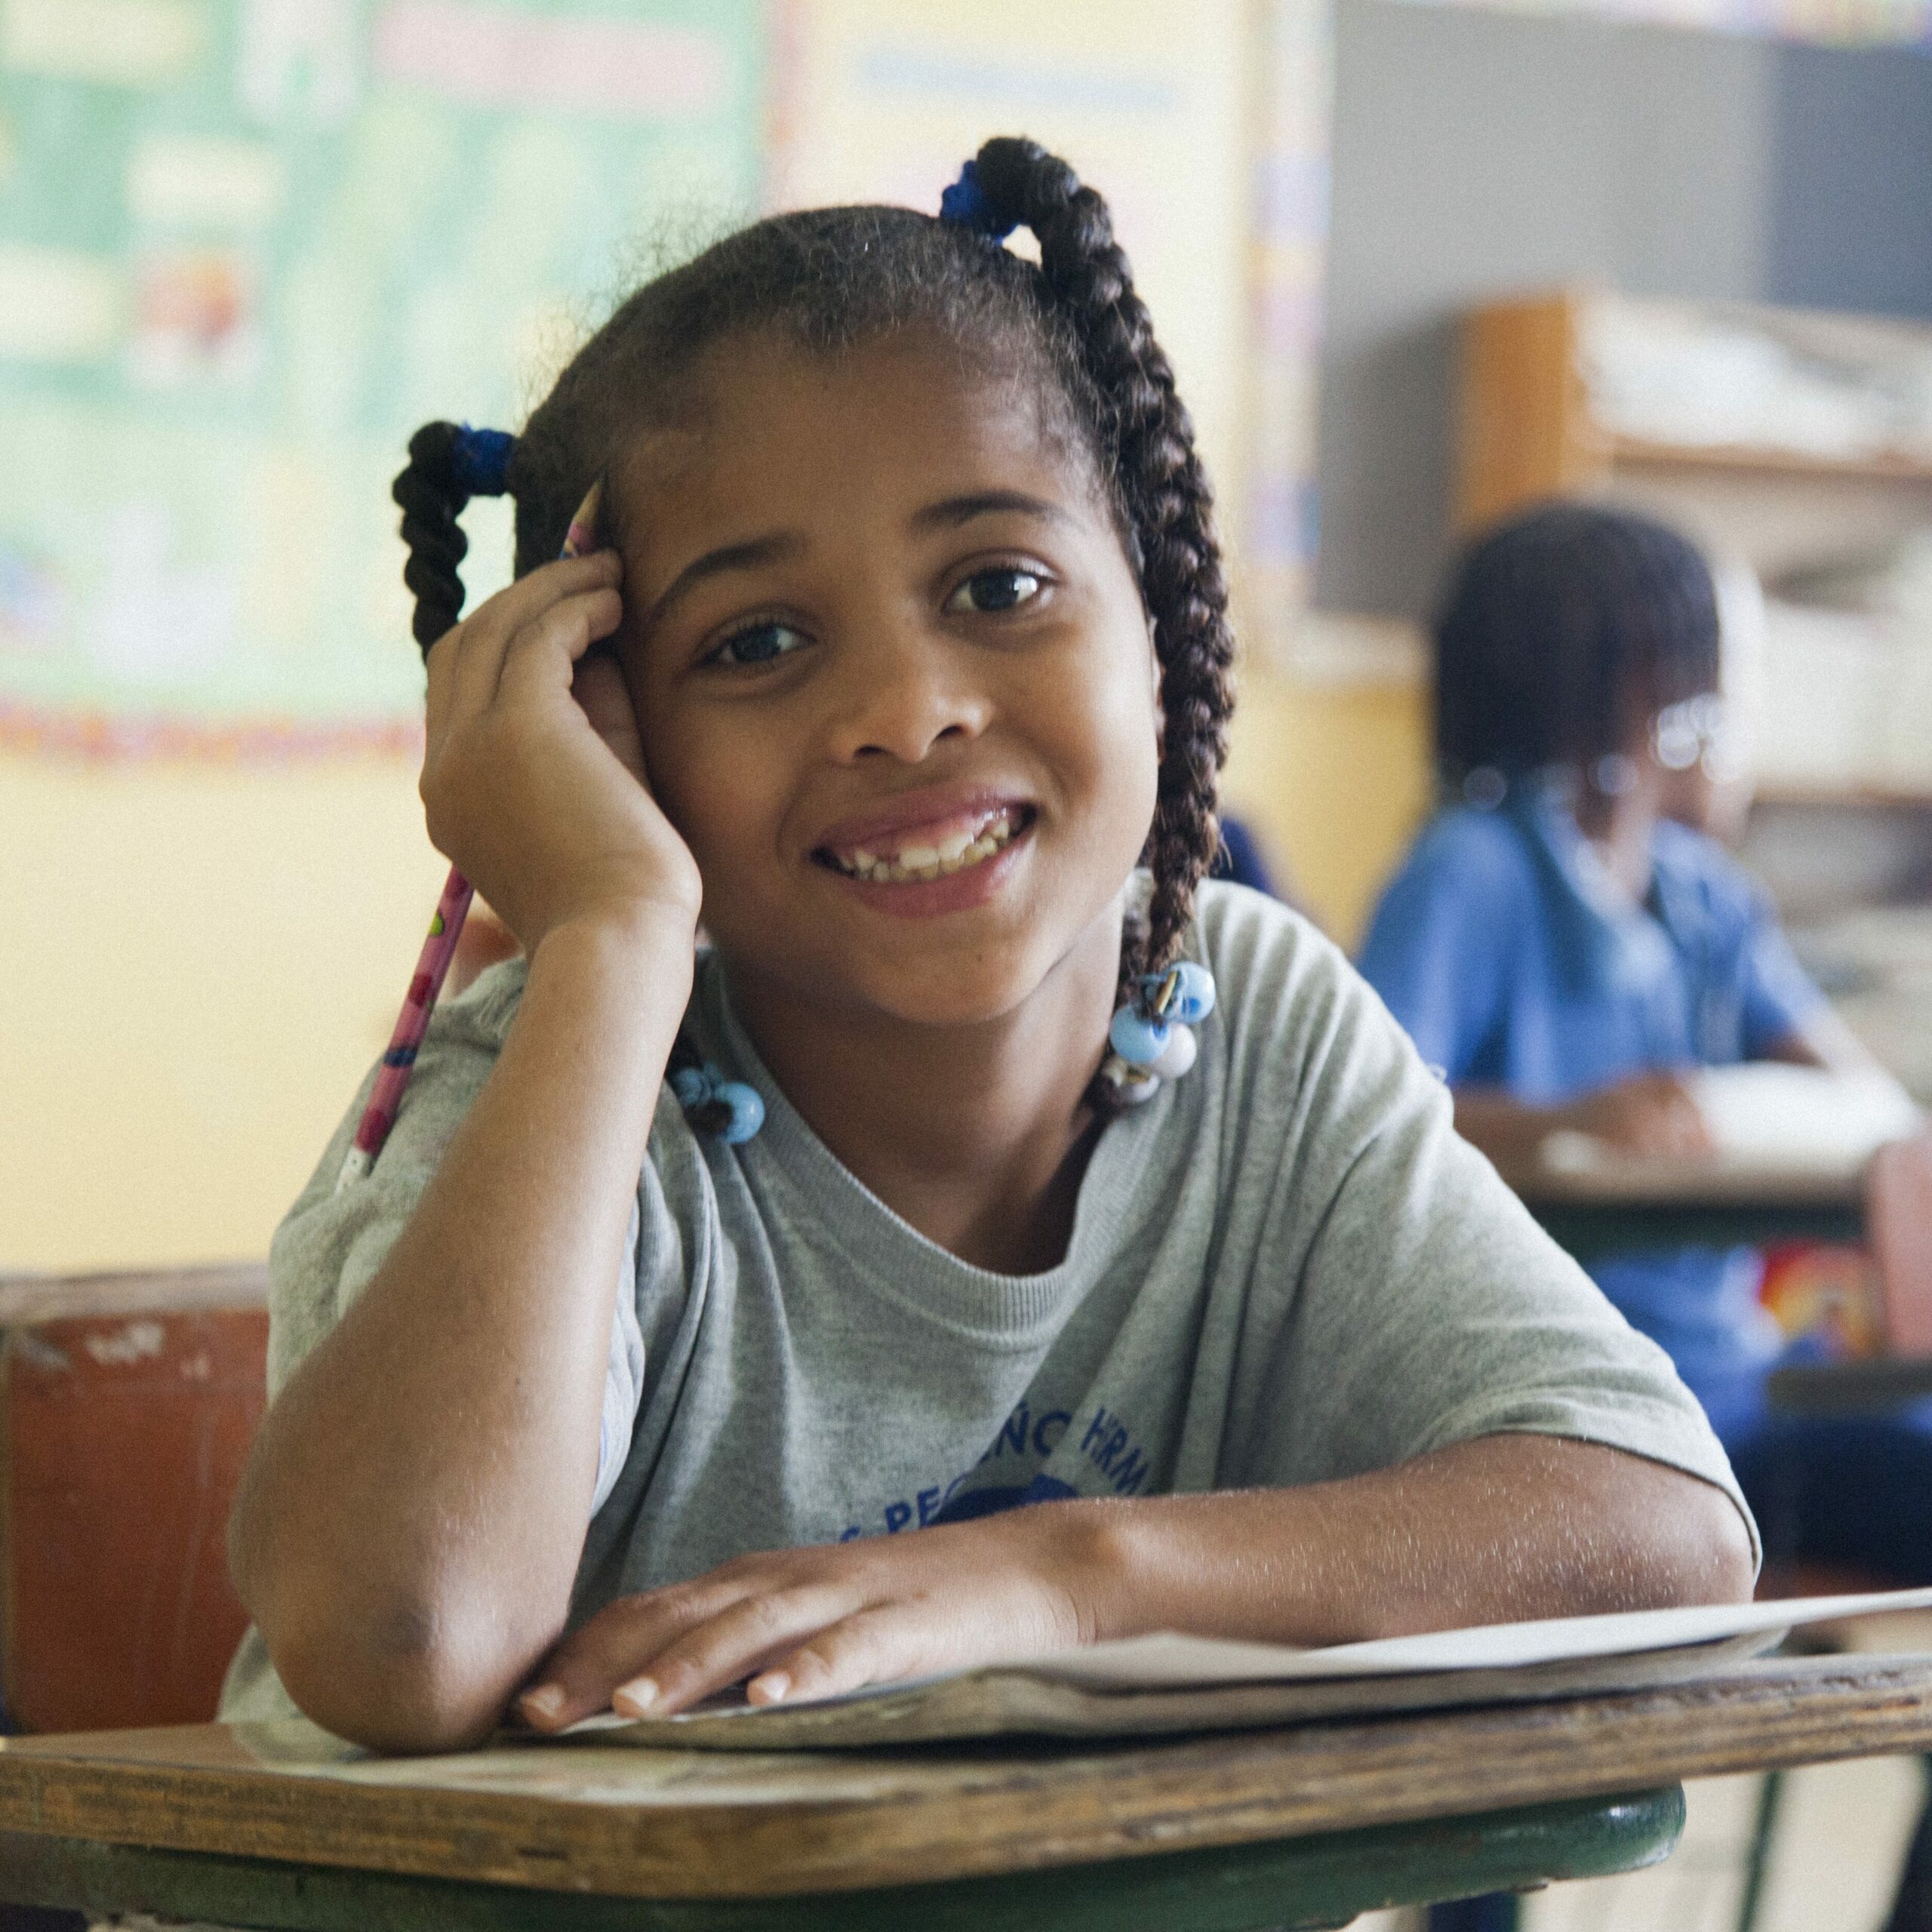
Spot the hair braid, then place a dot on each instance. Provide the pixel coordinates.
(431, 493)
(1167, 507)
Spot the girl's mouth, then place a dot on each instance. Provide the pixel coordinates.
(922, 853)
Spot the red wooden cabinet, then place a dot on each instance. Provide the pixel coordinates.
(127, 1406)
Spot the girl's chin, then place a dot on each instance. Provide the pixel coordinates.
(940, 1001)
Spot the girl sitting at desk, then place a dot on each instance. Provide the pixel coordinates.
(712, 1309)
(1565, 950)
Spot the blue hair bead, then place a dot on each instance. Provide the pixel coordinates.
(964, 204)
(1178, 1056)
(483, 460)
(694, 1086)
(1139, 1040)
(1193, 998)
(699, 1087)
(747, 1112)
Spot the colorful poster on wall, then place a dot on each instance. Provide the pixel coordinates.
(246, 247)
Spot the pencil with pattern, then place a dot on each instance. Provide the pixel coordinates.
(433, 964)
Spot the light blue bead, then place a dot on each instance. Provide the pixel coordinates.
(747, 1112)
(694, 1086)
(1138, 1040)
(1194, 994)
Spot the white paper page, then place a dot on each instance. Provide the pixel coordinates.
(1168, 1661)
(1768, 1115)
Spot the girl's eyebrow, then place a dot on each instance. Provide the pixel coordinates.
(950, 512)
(746, 556)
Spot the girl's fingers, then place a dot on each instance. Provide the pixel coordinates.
(872, 1646)
(541, 655)
(602, 696)
(577, 1680)
(726, 1647)
(484, 639)
(440, 665)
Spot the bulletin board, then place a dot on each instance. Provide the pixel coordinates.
(246, 247)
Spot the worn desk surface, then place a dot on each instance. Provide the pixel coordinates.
(686, 1824)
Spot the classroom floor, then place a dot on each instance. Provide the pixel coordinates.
(1835, 1855)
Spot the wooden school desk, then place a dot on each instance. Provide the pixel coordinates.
(277, 1826)
(1637, 1204)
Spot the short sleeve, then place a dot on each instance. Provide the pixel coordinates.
(330, 1244)
(1778, 995)
(1434, 950)
(1404, 1298)
(623, 1374)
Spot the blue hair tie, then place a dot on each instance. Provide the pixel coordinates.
(965, 205)
(483, 460)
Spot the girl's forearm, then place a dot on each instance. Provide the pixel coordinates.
(414, 1508)
(1496, 1529)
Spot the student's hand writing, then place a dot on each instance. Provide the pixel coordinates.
(533, 775)
(1652, 1113)
(812, 1622)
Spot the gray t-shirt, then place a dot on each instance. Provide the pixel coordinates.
(1286, 1267)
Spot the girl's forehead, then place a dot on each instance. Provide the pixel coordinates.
(761, 425)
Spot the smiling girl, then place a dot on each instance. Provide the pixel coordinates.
(907, 650)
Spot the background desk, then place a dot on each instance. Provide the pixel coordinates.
(273, 1826)
(1644, 1203)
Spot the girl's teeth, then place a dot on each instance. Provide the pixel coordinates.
(954, 853)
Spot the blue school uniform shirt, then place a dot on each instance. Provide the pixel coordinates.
(1512, 959)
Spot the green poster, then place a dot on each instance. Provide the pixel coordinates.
(246, 247)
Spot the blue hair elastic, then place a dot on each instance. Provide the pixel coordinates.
(965, 205)
(483, 459)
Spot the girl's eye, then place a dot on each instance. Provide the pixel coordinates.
(1004, 587)
(758, 644)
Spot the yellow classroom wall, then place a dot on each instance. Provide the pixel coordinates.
(1334, 778)
(199, 963)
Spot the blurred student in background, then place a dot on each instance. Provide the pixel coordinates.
(1567, 951)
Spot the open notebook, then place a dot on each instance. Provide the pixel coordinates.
(1167, 1683)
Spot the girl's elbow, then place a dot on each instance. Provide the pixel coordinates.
(394, 1678)
(1708, 1556)
(1734, 1559)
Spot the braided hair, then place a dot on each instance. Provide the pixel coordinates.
(828, 279)
(1565, 629)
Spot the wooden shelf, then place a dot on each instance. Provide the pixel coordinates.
(1889, 467)
(1526, 431)
(1866, 798)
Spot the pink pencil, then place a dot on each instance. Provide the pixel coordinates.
(433, 964)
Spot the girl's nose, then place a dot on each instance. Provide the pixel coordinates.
(903, 696)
